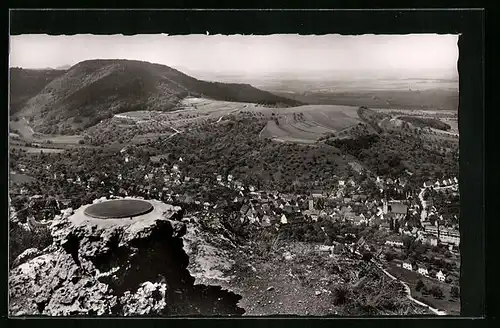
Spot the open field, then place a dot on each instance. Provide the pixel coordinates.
(26, 133)
(20, 178)
(449, 117)
(62, 139)
(411, 278)
(430, 99)
(300, 124)
(22, 127)
(147, 137)
(309, 123)
(34, 150)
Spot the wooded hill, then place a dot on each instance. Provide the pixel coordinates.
(97, 89)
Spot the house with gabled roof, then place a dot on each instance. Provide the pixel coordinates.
(441, 276)
(407, 266)
(260, 212)
(394, 241)
(265, 221)
(317, 194)
(423, 270)
(244, 209)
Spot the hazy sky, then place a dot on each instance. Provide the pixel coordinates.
(245, 54)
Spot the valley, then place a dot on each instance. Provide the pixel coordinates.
(284, 200)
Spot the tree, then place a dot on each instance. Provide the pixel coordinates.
(455, 292)
(389, 256)
(367, 256)
(420, 285)
(436, 292)
(340, 295)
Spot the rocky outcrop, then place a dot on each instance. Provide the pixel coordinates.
(115, 267)
(25, 256)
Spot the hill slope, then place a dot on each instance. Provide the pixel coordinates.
(96, 89)
(27, 83)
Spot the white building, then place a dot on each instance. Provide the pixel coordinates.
(311, 205)
(284, 219)
(449, 236)
(440, 276)
(407, 266)
(394, 243)
(423, 271)
(266, 221)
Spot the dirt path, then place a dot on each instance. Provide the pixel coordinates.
(423, 213)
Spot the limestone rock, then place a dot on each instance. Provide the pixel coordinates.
(25, 256)
(148, 299)
(114, 267)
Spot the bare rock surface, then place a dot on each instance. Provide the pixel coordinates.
(25, 256)
(132, 266)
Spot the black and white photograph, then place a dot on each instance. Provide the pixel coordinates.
(232, 175)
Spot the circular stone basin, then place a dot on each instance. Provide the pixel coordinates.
(118, 209)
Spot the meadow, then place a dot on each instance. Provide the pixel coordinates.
(306, 124)
(446, 303)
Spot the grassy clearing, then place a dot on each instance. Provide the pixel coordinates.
(27, 133)
(447, 303)
(396, 99)
(20, 178)
(34, 150)
(67, 140)
(22, 128)
(147, 137)
(309, 123)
